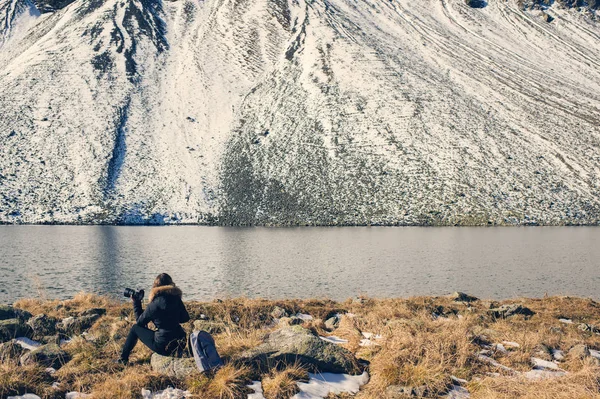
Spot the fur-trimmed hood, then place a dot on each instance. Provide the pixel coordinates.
(164, 290)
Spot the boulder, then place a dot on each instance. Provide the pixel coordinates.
(462, 297)
(332, 323)
(580, 351)
(505, 311)
(10, 350)
(43, 325)
(50, 355)
(279, 312)
(178, 367)
(297, 344)
(12, 328)
(8, 312)
(76, 325)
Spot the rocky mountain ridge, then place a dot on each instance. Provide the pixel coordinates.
(286, 112)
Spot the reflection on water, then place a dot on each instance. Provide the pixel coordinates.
(209, 262)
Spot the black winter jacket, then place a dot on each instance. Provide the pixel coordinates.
(166, 310)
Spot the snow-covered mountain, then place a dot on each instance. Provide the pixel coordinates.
(300, 111)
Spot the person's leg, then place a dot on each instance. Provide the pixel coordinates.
(137, 332)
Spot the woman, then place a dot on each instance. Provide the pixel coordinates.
(166, 311)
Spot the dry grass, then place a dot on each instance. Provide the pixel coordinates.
(229, 382)
(417, 349)
(283, 384)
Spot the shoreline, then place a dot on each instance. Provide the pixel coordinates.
(427, 346)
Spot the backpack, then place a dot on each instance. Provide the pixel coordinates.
(205, 352)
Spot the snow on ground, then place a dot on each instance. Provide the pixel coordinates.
(169, 393)
(27, 343)
(321, 385)
(334, 340)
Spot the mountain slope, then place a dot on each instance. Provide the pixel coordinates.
(286, 112)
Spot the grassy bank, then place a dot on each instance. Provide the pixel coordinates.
(425, 341)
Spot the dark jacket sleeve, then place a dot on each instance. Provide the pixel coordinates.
(184, 316)
(148, 315)
(137, 308)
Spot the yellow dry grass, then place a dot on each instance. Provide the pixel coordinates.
(283, 384)
(417, 349)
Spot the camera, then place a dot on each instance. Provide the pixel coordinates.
(137, 295)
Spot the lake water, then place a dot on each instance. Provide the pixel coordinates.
(338, 263)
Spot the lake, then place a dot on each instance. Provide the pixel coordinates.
(337, 262)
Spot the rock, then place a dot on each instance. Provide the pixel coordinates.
(589, 327)
(400, 391)
(278, 313)
(495, 363)
(12, 328)
(332, 323)
(476, 3)
(542, 374)
(50, 355)
(543, 352)
(8, 312)
(25, 396)
(541, 364)
(457, 392)
(462, 297)
(43, 325)
(178, 367)
(297, 344)
(557, 354)
(10, 350)
(210, 327)
(359, 301)
(76, 325)
(506, 311)
(290, 321)
(51, 5)
(93, 311)
(580, 351)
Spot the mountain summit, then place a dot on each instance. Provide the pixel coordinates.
(285, 112)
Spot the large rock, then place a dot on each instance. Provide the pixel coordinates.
(13, 328)
(8, 312)
(297, 344)
(505, 311)
(580, 351)
(76, 325)
(43, 325)
(10, 350)
(179, 367)
(50, 355)
(279, 312)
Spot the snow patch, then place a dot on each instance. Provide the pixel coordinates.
(321, 385)
(334, 340)
(169, 393)
(27, 343)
